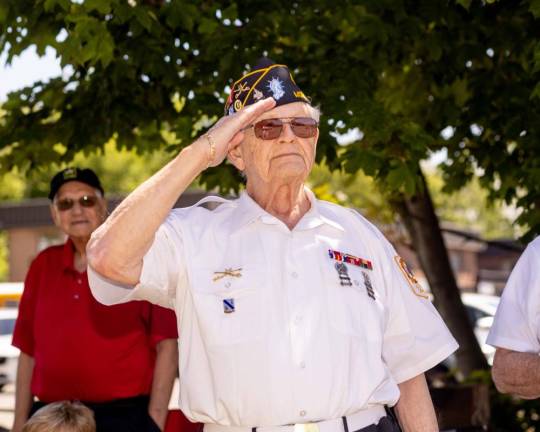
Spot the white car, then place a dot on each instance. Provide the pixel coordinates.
(481, 309)
(9, 355)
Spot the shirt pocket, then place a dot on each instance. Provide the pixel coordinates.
(229, 309)
(353, 305)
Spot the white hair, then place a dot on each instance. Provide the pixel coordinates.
(315, 112)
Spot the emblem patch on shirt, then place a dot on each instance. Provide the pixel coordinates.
(229, 272)
(350, 259)
(413, 282)
(343, 274)
(367, 284)
(228, 305)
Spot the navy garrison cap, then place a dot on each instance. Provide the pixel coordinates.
(265, 80)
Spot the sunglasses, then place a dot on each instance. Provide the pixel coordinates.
(269, 129)
(68, 203)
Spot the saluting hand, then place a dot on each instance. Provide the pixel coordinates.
(228, 130)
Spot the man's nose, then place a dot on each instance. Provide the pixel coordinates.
(287, 133)
(77, 207)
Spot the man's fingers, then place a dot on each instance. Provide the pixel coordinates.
(250, 113)
(235, 123)
(236, 140)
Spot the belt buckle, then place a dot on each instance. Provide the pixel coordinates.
(306, 427)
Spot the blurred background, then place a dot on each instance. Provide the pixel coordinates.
(430, 129)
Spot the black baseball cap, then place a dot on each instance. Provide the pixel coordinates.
(84, 175)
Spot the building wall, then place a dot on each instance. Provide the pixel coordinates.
(24, 244)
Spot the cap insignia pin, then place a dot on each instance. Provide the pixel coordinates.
(275, 85)
(257, 94)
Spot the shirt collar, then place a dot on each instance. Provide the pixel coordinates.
(317, 215)
(68, 254)
(248, 211)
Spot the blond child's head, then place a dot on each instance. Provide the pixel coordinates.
(62, 416)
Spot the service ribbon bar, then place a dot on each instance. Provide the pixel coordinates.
(350, 259)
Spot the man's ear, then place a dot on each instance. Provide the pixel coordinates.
(236, 157)
(103, 208)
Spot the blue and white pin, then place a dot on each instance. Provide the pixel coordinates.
(228, 305)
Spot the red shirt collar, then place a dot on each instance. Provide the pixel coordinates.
(68, 255)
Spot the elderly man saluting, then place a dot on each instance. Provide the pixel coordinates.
(295, 313)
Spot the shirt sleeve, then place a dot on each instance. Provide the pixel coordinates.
(415, 338)
(162, 324)
(23, 334)
(163, 272)
(515, 326)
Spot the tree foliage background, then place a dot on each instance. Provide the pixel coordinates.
(154, 74)
(151, 74)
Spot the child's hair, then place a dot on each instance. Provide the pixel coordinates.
(62, 416)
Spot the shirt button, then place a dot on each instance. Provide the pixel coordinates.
(303, 365)
(298, 319)
(294, 274)
(302, 413)
(79, 281)
(76, 296)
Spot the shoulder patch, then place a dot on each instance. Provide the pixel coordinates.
(416, 288)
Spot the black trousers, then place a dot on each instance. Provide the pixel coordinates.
(120, 415)
(388, 423)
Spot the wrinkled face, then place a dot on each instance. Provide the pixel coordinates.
(79, 221)
(285, 157)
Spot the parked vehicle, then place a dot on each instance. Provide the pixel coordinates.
(481, 309)
(10, 294)
(8, 354)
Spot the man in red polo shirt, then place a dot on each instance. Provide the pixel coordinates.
(121, 361)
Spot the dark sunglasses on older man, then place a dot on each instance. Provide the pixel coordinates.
(269, 129)
(65, 204)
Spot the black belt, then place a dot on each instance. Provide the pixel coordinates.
(385, 424)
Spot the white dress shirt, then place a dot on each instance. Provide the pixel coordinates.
(516, 325)
(270, 334)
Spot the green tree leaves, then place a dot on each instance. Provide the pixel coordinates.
(398, 71)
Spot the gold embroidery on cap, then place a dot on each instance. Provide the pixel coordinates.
(70, 173)
(240, 88)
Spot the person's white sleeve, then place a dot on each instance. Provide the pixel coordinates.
(515, 326)
(163, 268)
(415, 337)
